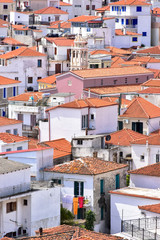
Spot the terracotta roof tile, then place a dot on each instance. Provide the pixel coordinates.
(84, 103)
(124, 137)
(86, 166)
(11, 138)
(60, 24)
(153, 139)
(8, 121)
(151, 208)
(74, 232)
(61, 147)
(64, 4)
(119, 32)
(12, 41)
(50, 10)
(141, 108)
(25, 97)
(117, 61)
(118, 51)
(153, 50)
(115, 89)
(150, 170)
(105, 52)
(146, 59)
(61, 41)
(7, 81)
(130, 3)
(84, 18)
(150, 90)
(124, 102)
(156, 72)
(49, 80)
(6, 1)
(107, 72)
(103, 9)
(3, 24)
(22, 52)
(20, 27)
(152, 83)
(156, 10)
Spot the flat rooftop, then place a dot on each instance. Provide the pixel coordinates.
(138, 192)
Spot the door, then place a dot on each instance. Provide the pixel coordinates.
(120, 125)
(68, 54)
(33, 120)
(57, 68)
(20, 117)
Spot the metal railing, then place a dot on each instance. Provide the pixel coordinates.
(139, 228)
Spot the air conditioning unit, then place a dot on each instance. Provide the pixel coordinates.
(126, 121)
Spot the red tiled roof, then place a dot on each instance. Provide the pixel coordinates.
(105, 52)
(20, 27)
(50, 10)
(150, 170)
(61, 147)
(153, 139)
(130, 3)
(152, 50)
(74, 232)
(11, 138)
(117, 61)
(84, 18)
(25, 97)
(124, 102)
(86, 166)
(107, 72)
(84, 103)
(152, 83)
(141, 108)
(151, 208)
(6, 1)
(115, 89)
(22, 52)
(60, 24)
(118, 51)
(155, 11)
(61, 41)
(8, 121)
(146, 59)
(64, 4)
(156, 72)
(124, 137)
(49, 80)
(103, 9)
(7, 81)
(3, 24)
(12, 41)
(150, 90)
(119, 32)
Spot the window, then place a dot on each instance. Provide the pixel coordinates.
(16, 78)
(11, 207)
(101, 82)
(5, 6)
(87, 7)
(14, 91)
(56, 18)
(30, 79)
(135, 21)
(139, 9)
(8, 131)
(4, 93)
(55, 51)
(101, 186)
(123, 8)
(84, 121)
(39, 77)
(8, 149)
(113, 8)
(122, 21)
(88, 29)
(78, 189)
(144, 34)
(157, 158)
(137, 127)
(19, 148)
(92, 116)
(79, 142)
(127, 21)
(125, 80)
(120, 125)
(77, 5)
(102, 213)
(117, 20)
(134, 39)
(117, 181)
(15, 131)
(69, 83)
(39, 63)
(93, 7)
(142, 158)
(114, 81)
(25, 202)
(136, 80)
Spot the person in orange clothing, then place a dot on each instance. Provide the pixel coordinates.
(75, 206)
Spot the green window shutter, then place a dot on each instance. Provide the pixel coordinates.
(101, 186)
(102, 215)
(117, 182)
(76, 189)
(82, 188)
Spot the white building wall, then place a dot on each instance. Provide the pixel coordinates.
(126, 41)
(48, 215)
(145, 28)
(68, 9)
(126, 207)
(144, 181)
(46, 17)
(13, 146)
(153, 124)
(18, 17)
(3, 31)
(153, 98)
(17, 126)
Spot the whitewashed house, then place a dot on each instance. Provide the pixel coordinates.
(12, 126)
(3, 28)
(79, 118)
(90, 178)
(50, 14)
(26, 65)
(131, 15)
(67, 7)
(21, 208)
(8, 44)
(17, 17)
(140, 116)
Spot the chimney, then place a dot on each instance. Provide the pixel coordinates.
(89, 93)
(40, 231)
(124, 31)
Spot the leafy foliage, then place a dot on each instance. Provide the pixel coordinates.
(90, 218)
(66, 217)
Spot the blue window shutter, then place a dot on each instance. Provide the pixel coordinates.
(139, 9)
(4, 92)
(144, 34)
(112, 8)
(82, 188)
(14, 91)
(127, 21)
(122, 21)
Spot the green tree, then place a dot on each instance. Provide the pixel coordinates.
(90, 218)
(66, 217)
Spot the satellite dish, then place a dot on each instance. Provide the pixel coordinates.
(108, 137)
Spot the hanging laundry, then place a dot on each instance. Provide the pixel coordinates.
(81, 201)
(75, 206)
(67, 201)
